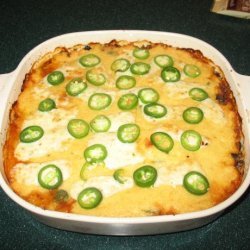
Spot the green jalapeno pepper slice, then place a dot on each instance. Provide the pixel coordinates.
(192, 70)
(128, 101)
(162, 141)
(148, 95)
(55, 78)
(118, 176)
(191, 140)
(141, 53)
(128, 133)
(85, 167)
(50, 177)
(155, 110)
(89, 198)
(95, 78)
(89, 60)
(140, 68)
(31, 134)
(61, 196)
(100, 123)
(125, 82)
(196, 183)
(75, 87)
(193, 115)
(170, 74)
(46, 105)
(78, 128)
(120, 65)
(198, 94)
(95, 153)
(145, 176)
(88, 167)
(99, 101)
(163, 61)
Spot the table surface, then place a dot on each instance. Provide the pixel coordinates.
(25, 24)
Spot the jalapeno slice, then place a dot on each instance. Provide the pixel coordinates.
(162, 141)
(31, 134)
(95, 78)
(125, 82)
(140, 68)
(75, 87)
(163, 61)
(88, 167)
(78, 128)
(46, 105)
(120, 65)
(196, 183)
(85, 166)
(128, 101)
(84, 169)
(193, 115)
(191, 70)
(141, 53)
(89, 198)
(99, 101)
(55, 78)
(118, 176)
(191, 140)
(145, 176)
(198, 94)
(100, 123)
(170, 74)
(50, 177)
(61, 196)
(155, 110)
(148, 95)
(95, 153)
(128, 133)
(89, 60)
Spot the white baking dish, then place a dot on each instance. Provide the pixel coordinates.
(10, 87)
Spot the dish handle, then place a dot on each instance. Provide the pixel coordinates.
(244, 87)
(5, 87)
(4, 79)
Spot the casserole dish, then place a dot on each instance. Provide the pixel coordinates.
(11, 87)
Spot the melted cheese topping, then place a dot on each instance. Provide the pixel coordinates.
(120, 119)
(173, 175)
(119, 154)
(26, 174)
(107, 184)
(55, 126)
(220, 130)
(213, 111)
(179, 89)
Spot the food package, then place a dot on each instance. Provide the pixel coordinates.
(236, 8)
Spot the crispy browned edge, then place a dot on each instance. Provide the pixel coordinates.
(224, 96)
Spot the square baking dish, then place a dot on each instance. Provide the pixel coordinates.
(10, 87)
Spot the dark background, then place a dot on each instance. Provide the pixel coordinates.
(25, 24)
